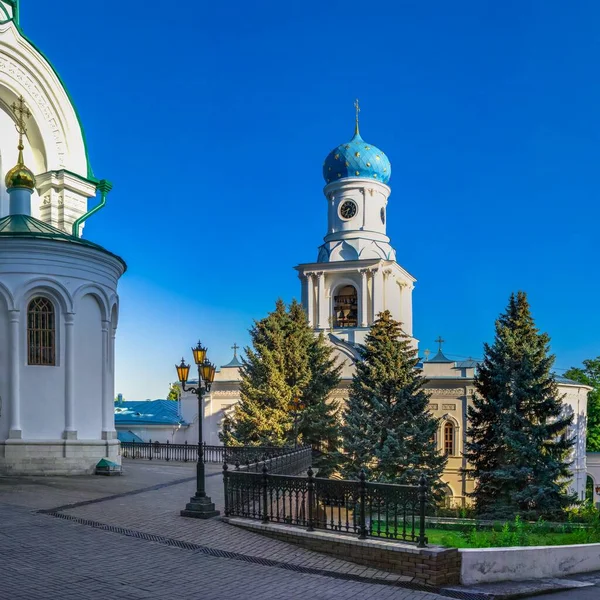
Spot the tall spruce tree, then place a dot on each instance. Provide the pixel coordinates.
(517, 445)
(286, 361)
(388, 429)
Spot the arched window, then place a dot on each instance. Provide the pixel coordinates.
(589, 489)
(345, 307)
(449, 438)
(41, 332)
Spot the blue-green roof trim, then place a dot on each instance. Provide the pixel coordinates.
(148, 412)
(16, 226)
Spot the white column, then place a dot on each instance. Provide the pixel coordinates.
(321, 301)
(107, 408)
(70, 432)
(15, 373)
(111, 371)
(310, 299)
(364, 298)
(377, 292)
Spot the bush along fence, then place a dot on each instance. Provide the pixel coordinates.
(377, 510)
(215, 454)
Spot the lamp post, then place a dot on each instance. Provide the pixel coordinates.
(295, 406)
(200, 505)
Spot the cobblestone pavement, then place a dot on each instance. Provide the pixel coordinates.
(587, 593)
(42, 556)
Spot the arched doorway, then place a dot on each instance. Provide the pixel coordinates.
(589, 489)
(345, 307)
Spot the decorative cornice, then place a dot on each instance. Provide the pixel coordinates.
(457, 391)
(225, 393)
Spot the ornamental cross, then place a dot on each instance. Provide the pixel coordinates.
(22, 113)
(357, 107)
(439, 341)
(235, 348)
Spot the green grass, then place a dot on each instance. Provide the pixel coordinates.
(515, 533)
(492, 539)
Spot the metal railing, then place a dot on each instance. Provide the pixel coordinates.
(377, 510)
(292, 462)
(214, 454)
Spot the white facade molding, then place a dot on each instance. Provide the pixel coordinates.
(55, 142)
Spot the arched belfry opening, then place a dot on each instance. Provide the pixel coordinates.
(345, 307)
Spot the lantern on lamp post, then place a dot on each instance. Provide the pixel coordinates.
(200, 505)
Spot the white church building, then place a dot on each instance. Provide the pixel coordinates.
(356, 276)
(58, 292)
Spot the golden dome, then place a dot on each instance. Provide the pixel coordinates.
(20, 176)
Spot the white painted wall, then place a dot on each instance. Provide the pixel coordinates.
(89, 360)
(487, 565)
(4, 367)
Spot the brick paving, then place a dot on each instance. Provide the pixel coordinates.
(42, 556)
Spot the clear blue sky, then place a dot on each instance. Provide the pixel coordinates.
(213, 120)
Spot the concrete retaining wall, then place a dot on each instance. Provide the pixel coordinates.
(434, 566)
(485, 565)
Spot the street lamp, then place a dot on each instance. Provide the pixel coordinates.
(295, 406)
(200, 505)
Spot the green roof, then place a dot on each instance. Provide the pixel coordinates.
(18, 226)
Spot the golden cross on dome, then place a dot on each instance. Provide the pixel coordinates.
(22, 113)
(439, 341)
(357, 107)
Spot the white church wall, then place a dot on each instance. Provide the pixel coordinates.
(38, 441)
(575, 398)
(4, 366)
(88, 368)
(42, 397)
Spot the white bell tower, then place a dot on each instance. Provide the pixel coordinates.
(356, 275)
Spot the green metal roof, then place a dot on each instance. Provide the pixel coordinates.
(18, 226)
(440, 358)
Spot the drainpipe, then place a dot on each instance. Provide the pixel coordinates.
(104, 186)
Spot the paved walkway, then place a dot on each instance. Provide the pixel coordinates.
(122, 537)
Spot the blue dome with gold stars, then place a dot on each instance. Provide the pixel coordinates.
(357, 158)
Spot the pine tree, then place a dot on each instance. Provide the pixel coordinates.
(388, 429)
(286, 361)
(318, 422)
(518, 446)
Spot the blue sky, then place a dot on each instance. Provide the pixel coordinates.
(213, 120)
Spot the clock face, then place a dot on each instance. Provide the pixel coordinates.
(348, 209)
(382, 213)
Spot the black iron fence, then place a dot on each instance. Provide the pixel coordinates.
(293, 461)
(215, 454)
(378, 510)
